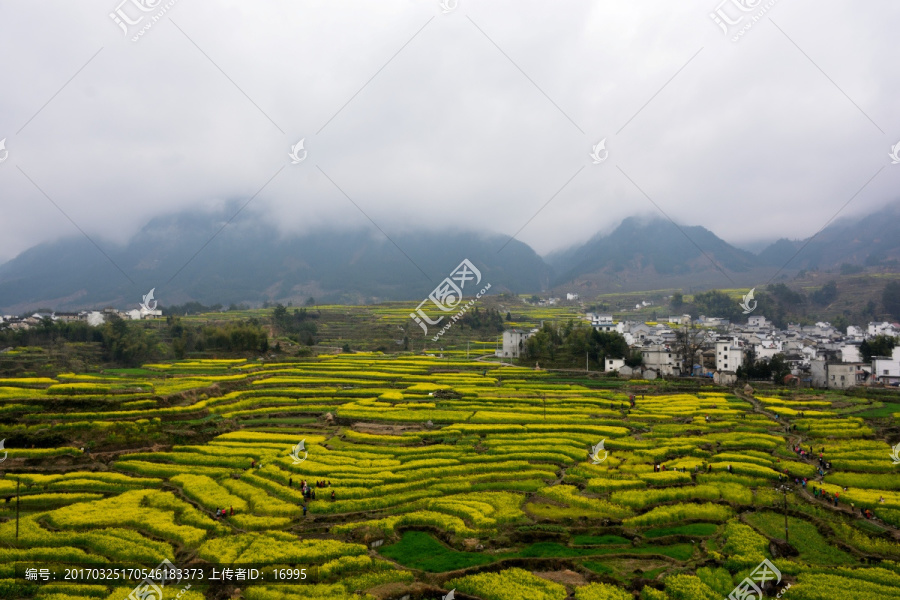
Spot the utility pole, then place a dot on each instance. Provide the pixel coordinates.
(586, 367)
(17, 509)
(784, 490)
(785, 518)
(544, 396)
(467, 349)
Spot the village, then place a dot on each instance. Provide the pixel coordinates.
(94, 318)
(817, 355)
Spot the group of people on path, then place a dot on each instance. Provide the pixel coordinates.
(224, 512)
(308, 492)
(661, 468)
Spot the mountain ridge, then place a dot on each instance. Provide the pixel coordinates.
(250, 262)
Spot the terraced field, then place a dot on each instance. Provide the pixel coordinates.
(445, 474)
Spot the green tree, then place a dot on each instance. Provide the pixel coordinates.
(826, 295)
(677, 301)
(840, 322)
(716, 303)
(635, 359)
(880, 345)
(779, 368)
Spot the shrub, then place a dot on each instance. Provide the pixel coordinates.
(510, 583)
(601, 591)
(681, 512)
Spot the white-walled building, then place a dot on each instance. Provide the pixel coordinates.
(883, 328)
(757, 321)
(729, 355)
(662, 359)
(514, 342)
(614, 364)
(603, 323)
(836, 376)
(886, 369)
(850, 353)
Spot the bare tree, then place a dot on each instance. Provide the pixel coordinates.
(688, 341)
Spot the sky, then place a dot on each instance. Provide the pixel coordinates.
(419, 115)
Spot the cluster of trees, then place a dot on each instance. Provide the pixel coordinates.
(880, 345)
(483, 320)
(234, 337)
(299, 326)
(771, 369)
(569, 345)
(130, 343)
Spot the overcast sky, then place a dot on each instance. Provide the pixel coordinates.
(475, 117)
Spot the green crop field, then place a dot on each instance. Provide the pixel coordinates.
(447, 473)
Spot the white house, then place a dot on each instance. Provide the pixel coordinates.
(603, 323)
(661, 359)
(886, 369)
(855, 332)
(757, 321)
(883, 328)
(850, 353)
(640, 331)
(839, 376)
(571, 296)
(766, 349)
(614, 364)
(514, 342)
(729, 355)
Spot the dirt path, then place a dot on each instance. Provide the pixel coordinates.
(797, 439)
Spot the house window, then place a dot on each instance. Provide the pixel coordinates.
(885, 372)
(842, 377)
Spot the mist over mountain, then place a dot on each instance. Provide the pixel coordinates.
(647, 254)
(872, 241)
(184, 258)
(251, 263)
(657, 244)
